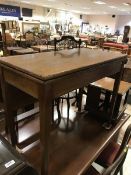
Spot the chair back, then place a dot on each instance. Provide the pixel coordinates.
(9, 40)
(67, 42)
(30, 40)
(116, 166)
(29, 36)
(125, 141)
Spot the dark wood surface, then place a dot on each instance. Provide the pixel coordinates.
(73, 152)
(49, 75)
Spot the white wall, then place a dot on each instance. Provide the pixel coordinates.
(102, 21)
(123, 21)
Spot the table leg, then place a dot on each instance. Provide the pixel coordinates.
(118, 78)
(10, 114)
(80, 99)
(12, 132)
(45, 103)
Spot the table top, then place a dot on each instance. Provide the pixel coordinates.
(51, 65)
(107, 84)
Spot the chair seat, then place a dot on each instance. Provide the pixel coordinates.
(92, 171)
(108, 155)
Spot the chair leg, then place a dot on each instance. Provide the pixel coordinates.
(121, 171)
(58, 111)
(68, 109)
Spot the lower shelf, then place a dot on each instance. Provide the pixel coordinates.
(71, 153)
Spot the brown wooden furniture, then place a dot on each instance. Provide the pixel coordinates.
(68, 42)
(99, 96)
(113, 156)
(46, 76)
(114, 150)
(43, 48)
(21, 42)
(11, 49)
(24, 51)
(116, 46)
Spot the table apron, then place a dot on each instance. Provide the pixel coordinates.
(27, 85)
(82, 78)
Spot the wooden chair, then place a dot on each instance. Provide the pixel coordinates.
(9, 40)
(30, 40)
(113, 156)
(11, 44)
(67, 42)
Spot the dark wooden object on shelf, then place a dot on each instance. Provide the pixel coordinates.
(48, 75)
(99, 98)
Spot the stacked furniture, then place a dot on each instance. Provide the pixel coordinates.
(99, 94)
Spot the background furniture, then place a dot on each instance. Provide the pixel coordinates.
(66, 42)
(24, 51)
(30, 26)
(3, 38)
(11, 49)
(116, 46)
(126, 33)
